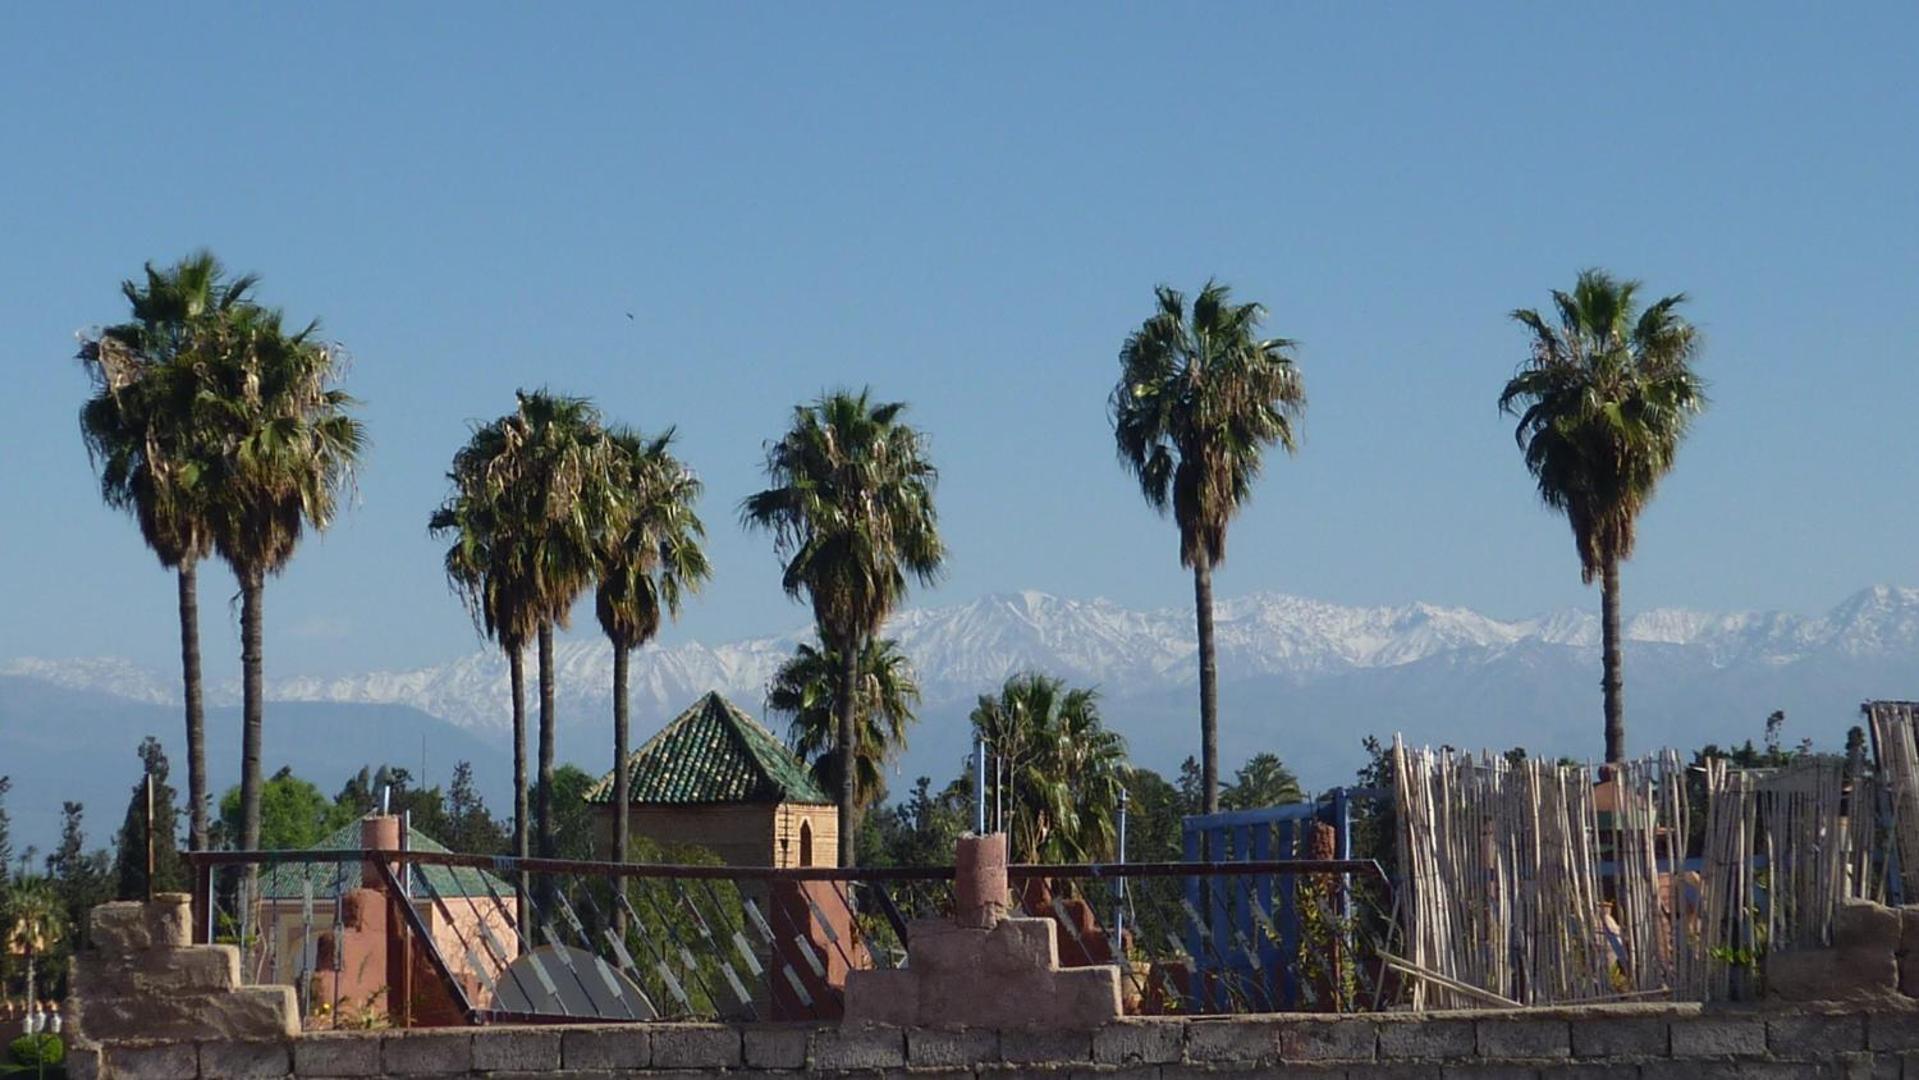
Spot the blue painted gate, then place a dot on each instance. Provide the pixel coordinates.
(1243, 931)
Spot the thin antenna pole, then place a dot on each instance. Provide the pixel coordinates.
(979, 784)
(149, 793)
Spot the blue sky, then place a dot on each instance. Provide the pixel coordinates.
(968, 208)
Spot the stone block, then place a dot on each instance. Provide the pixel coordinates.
(1489, 1071)
(244, 1060)
(886, 996)
(341, 1055)
(1428, 1039)
(1624, 1037)
(939, 948)
(1244, 1040)
(951, 1047)
(1893, 1031)
(202, 968)
(1085, 997)
(1815, 1036)
(858, 1046)
(1019, 945)
(83, 1060)
(1138, 1042)
(156, 1061)
(253, 1012)
(775, 1046)
(515, 1050)
(696, 1046)
(1592, 1070)
(1908, 956)
(1046, 1045)
(1329, 1040)
(426, 1053)
(165, 922)
(611, 1049)
(1863, 926)
(1395, 1070)
(1696, 1070)
(1524, 1038)
(1852, 975)
(1725, 1036)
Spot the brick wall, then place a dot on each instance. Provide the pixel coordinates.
(1644, 1042)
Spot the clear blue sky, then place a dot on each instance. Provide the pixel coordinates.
(968, 208)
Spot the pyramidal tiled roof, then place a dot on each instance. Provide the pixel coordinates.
(287, 881)
(714, 753)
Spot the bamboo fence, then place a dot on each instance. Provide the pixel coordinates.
(1517, 882)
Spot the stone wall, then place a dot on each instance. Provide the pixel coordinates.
(1601, 1042)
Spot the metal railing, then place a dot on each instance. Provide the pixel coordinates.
(421, 938)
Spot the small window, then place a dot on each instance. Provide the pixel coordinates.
(806, 843)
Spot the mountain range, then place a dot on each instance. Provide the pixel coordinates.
(1304, 678)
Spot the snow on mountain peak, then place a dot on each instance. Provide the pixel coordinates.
(966, 649)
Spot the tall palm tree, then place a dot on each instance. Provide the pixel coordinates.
(33, 922)
(287, 445)
(851, 512)
(1063, 769)
(1201, 396)
(806, 688)
(648, 555)
(1603, 403)
(139, 431)
(488, 567)
(534, 488)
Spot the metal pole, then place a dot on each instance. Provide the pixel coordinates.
(979, 785)
(149, 787)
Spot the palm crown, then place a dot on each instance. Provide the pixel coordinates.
(888, 693)
(648, 552)
(1603, 403)
(1200, 397)
(851, 511)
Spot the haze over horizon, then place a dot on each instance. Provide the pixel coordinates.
(701, 217)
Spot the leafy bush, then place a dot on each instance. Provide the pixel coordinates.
(34, 1051)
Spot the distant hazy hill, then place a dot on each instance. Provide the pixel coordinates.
(1304, 678)
(60, 743)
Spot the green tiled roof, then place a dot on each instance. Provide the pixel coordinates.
(286, 880)
(713, 753)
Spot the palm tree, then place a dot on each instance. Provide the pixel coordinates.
(1603, 403)
(806, 688)
(32, 923)
(285, 448)
(1063, 770)
(1200, 397)
(489, 570)
(138, 427)
(1263, 781)
(851, 513)
(533, 489)
(647, 557)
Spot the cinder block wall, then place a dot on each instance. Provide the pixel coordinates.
(1653, 1042)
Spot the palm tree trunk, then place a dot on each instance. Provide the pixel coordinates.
(189, 576)
(252, 593)
(622, 793)
(516, 674)
(849, 807)
(1612, 683)
(1208, 685)
(543, 809)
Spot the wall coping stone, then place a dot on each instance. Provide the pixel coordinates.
(1646, 1040)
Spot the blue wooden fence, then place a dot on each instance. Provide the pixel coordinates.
(1243, 932)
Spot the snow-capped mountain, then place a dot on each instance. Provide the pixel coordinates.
(1304, 678)
(963, 650)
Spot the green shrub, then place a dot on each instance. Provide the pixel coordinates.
(34, 1051)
